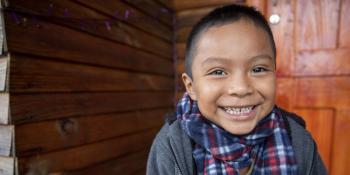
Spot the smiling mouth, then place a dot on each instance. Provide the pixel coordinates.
(239, 111)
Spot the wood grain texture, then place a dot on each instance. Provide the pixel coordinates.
(189, 18)
(313, 76)
(344, 38)
(341, 143)
(85, 19)
(57, 42)
(129, 165)
(3, 73)
(182, 34)
(4, 108)
(6, 135)
(87, 155)
(154, 9)
(7, 165)
(31, 74)
(169, 4)
(317, 24)
(180, 67)
(283, 34)
(44, 106)
(323, 62)
(180, 50)
(320, 122)
(135, 17)
(70, 132)
(260, 5)
(323, 92)
(90, 83)
(285, 92)
(181, 5)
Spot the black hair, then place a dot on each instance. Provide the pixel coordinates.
(220, 16)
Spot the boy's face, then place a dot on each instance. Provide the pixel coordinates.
(233, 76)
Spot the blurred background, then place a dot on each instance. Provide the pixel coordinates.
(85, 83)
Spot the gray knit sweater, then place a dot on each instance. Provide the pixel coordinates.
(171, 152)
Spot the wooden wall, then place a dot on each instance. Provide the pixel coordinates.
(314, 77)
(89, 83)
(7, 157)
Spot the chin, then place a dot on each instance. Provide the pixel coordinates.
(241, 129)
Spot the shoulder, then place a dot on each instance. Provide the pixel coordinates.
(160, 158)
(169, 129)
(162, 140)
(171, 151)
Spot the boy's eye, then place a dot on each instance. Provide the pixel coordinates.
(217, 72)
(259, 69)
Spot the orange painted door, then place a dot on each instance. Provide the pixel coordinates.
(313, 41)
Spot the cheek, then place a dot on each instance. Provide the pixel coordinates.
(267, 87)
(207, 88)
(207, 94)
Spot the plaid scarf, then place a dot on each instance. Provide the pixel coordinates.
(218, 152)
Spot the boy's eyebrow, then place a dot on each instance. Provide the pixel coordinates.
(227, 60)
(215, 60)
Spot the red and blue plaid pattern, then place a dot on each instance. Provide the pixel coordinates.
(218, 152)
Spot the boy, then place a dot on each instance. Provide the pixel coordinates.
(227, 121)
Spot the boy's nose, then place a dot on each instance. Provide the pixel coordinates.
(239, 86)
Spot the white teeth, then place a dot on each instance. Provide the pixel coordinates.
(238, 111)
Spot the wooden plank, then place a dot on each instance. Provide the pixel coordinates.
(154, 9)
(283, 34)
(178, 80)
(317, 24)
(140, 171)
(135, 17)
(31, 74)
(87, 155)
(181, 88)
(323, 62)
(57, 42)
(189, 18)
(180, 50)
(7, 165)
(27, 108)
(285, 92)
(180, 5)
(85, 19)
(320, 123)
(341, 143)
(6, 134)
(3, 73)
(260, 5)
(169, 4)
(128, 164)
(344, 39)
(323, 92)
(180, 67)
(4, 108)
(69, 132)
(182, 34)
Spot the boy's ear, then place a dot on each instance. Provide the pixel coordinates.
(187, 80)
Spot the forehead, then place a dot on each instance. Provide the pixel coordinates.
(241, 39)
